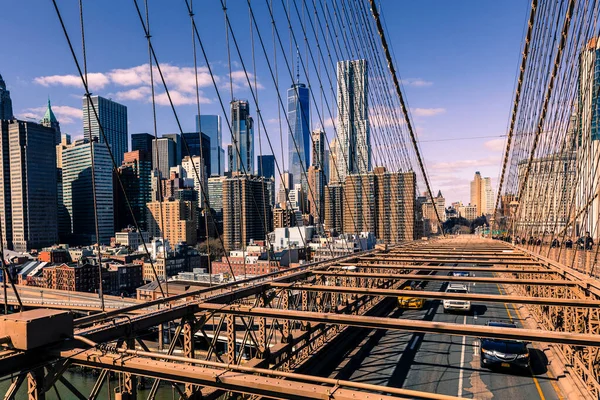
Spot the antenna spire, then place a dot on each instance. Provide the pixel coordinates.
(297, 65)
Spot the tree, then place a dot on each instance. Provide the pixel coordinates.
(451, 223)
(216, 249)
(477, 222)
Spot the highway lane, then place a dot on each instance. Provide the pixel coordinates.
(444, 364)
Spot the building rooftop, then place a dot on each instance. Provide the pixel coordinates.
(49, 116)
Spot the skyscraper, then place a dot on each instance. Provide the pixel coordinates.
(588, 116)
(135, 174)
(334, 207)
(266, 169)
(487, 196)
(164, 155)
(318, 148)
(230, 158)
(196, 148)
(359, 203)
(317, 177)
(476, 189)
(243, 135)
(175, 220)
(316, 193)
(112, 117)
(78, 195)
(142, 141)
(266, 166)
(333, 175)
(6, 111)
(286, 183)
(482, 194)
(325, 167)
(50, 121)
(176, 138)
(246, 211)
(353, 154)
(191, 165)
(215, 200)
(298, 113)
(64, 221)
(28, 195)
(211, 126)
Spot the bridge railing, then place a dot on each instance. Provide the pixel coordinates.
(581, 260)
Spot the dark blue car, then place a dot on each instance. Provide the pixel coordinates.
(503, 353)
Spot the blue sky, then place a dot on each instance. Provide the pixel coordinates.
(458, 61)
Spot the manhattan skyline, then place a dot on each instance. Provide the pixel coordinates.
(440, 112)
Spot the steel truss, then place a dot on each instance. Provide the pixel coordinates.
(246, 337)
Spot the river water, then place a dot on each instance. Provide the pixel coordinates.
(85, 382)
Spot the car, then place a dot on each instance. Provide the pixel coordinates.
(503, 353)
(456, 305)
(409, 301)
(461, 274)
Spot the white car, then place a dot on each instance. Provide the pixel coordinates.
(457, 305)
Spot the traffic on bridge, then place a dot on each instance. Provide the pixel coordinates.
(236, 200)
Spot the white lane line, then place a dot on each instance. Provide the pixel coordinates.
(414, 343)
(462, 362)
(431, 310)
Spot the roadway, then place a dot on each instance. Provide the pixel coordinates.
(445, 364)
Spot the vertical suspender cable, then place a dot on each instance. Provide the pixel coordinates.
(88, 100)
(403, 106)
(515, 110)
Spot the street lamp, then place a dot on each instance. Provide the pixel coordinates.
(42, 294)
(513, 211)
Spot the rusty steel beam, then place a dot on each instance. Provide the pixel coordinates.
(452, 261)
(286, 275)
(415, 277)
(524, 269)
(491, 298)
(586, 282)
(361, 321)
(242, 379)
(435, 256)
(507, 250)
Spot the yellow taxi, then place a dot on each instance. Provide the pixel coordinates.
(409, 301)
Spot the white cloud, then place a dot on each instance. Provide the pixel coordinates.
(139, 93)
(416, 82)
(464, 164)
(239, 81)
(178, 99)
(96, 80)
(181, 82)
(64, 114)
(427, 112)
(495, 145)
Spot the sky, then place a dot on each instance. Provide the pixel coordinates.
(457, 61)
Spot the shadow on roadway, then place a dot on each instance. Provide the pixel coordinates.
(538, 366)
(408, 353)
(539, 361)
(478, 309)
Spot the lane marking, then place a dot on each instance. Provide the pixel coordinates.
(520, 319)
(505, 304)
(462, 362)
(431, 310)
